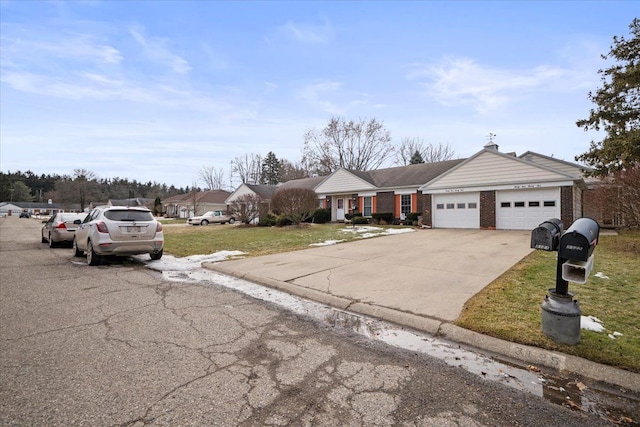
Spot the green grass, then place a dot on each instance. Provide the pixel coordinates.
(253, 241)
(509, 308)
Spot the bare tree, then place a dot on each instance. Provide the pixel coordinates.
(211, 177)
(347, 144)
(193, 199)
(437, 153)
(289, 171)
(246, 208)
(249, 168)
(297, 204)
(430, 153)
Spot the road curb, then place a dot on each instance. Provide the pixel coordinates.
(509, 350)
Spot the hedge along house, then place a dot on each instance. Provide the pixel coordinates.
(494, 190)
(391, 190)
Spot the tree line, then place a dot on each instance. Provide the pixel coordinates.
(82, 187)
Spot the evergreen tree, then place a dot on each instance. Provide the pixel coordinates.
(617, 110)
(271, 169)
(416, 158)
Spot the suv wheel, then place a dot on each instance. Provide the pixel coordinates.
(232, 220)
(156, 255)
(52, 244)
(204, 222)
(76, 251)
(92, 257)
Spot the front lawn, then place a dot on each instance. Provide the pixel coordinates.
(509, 308)
(253, 241)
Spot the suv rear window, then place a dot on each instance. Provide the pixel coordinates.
(128, 215)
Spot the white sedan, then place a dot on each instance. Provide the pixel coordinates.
(211, 217)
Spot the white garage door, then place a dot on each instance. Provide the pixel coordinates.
(458, 210)
(526, 209)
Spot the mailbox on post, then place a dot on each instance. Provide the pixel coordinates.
(576, 247)
(546, 236)
(560, 312)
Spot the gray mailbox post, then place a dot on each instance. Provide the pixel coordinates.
(560, 312)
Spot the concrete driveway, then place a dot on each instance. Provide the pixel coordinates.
(430, 273)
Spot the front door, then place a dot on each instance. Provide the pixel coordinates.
(340, 210)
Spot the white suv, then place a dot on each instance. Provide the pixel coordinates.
(119, 231)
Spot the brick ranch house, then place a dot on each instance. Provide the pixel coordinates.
(489, 190)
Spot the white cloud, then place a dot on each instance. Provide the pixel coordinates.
(307, 33)
(316, 95)
(462, 81)
(155, 50)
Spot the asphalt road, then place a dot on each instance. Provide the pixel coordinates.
(116, 345)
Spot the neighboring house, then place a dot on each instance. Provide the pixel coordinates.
(34, 208)
(182, 205)
(264, 191)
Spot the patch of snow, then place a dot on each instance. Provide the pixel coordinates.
(399, 230)
(617, 334)
(611, 336)
(171, 263)
(601, 275)
(367, 231)
(327, 243)
(591, 323)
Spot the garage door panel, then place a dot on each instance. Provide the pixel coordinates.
(526, 209)
(459, 210)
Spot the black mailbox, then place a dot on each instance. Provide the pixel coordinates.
(579, 241)
(546, 236)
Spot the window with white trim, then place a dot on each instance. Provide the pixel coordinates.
(405, 203)
(366, 205)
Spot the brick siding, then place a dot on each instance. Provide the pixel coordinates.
(488, 210)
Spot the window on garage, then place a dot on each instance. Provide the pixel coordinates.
(549, 203)
(451, 205)
(472, 205)
(405, 203)
(440, 206)
(518, 204)
(534, 204)
(505, 204)
(461, 205)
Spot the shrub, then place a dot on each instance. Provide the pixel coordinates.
(350, 216)
(383, 217)
(320, 216)
(297, 204)
(283, 220)
(412, 216)
(268, 220)
(359, 219)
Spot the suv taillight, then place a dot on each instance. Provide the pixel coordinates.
(102, 227)
(158, 227)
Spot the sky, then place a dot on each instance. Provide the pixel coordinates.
(157, 90)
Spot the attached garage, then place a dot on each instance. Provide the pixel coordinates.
(526, 209)
(456, 210)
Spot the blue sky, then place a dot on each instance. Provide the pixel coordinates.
(154, 91)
